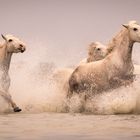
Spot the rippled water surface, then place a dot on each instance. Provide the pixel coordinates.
(59, 126)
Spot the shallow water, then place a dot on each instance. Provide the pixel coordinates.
(66, 126)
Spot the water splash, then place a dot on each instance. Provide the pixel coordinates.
(41, 91)
(35, 89)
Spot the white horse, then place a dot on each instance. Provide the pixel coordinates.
(10, 45)
(96, 51)
(113, 69)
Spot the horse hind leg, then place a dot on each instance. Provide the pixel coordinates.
(8, 99)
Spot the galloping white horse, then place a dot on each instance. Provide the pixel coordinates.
(96, 51)
(114, 68)
(10, 45)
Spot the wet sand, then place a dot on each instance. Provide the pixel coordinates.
(66, 126)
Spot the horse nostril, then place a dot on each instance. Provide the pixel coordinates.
(21, 48)
(21, 45)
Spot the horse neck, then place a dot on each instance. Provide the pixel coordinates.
(122, 46)
(5, 58)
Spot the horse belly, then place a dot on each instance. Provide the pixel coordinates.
(89, 83)
(98, 83)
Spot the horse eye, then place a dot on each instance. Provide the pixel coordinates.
(98, 49)
(135, 29)
(10, 40)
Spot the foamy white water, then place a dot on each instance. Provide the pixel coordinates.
(35, 90)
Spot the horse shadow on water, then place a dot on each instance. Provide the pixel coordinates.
(102, 86)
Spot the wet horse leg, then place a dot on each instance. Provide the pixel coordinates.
(8, 98)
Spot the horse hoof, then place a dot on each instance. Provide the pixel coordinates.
(17, 109)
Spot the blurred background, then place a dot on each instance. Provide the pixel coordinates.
(59, 31)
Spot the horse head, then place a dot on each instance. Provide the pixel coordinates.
(96, 51)
(14, 45)
(134, 30)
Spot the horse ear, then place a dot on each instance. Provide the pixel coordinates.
(93, 44)
(125, 25)
(3, 37)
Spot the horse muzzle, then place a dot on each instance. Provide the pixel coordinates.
(22, 50)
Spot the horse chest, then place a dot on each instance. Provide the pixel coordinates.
(4, 81)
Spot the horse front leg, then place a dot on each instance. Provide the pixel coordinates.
(9, 100)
